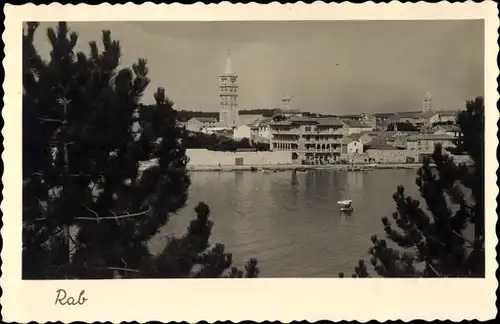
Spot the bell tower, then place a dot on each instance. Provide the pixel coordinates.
(228, 113)
(427, 103)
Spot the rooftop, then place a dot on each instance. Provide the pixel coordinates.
(354, 123)
(206, 119)
(265, 121)
(381, 146)
(350, 139)
(319, 121)
(448, 113)
(246, 150)
(431, 137)
(448, 128)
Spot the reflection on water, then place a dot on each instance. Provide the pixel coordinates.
(291, 221)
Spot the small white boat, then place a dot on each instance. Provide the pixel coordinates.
(345, 202)
(347, 206)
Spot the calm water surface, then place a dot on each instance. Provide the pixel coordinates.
(291, 222)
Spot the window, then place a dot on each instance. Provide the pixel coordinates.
(308, 128)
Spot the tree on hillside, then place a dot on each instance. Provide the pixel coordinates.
(82, 156)
(435, 243)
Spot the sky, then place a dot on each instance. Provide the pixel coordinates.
(335, 67)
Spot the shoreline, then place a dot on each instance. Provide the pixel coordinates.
(292, 167)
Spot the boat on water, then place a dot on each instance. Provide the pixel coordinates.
(300, 170)
(346, 209)
(347, 205)
(345, 202)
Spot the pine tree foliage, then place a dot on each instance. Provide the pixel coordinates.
(82, 158)
(435, 243)
(192, 255)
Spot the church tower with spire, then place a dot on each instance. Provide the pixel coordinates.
(228, 114)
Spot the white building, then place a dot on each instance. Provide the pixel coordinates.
(213, 129)
(228, 114)
(200, 124)
(264, 130)
(354, 147)
(241, 132)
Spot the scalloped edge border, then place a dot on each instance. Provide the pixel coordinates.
(58, 5)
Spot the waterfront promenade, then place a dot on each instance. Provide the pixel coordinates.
(284, 167)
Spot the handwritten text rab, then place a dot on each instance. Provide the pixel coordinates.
(63, 299)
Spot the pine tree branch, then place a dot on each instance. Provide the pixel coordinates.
(463, 238)
(98, 218)
(115, 269)
(51, 120)
(433, 270)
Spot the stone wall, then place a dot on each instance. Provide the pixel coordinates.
(383, 156)
(204, 157)
(392, 156)
(396, 156)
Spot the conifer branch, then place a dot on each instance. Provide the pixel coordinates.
(99, 218)
(114, 269)
(127, 215)
(51, 120)
(433, 270)
(463, 238)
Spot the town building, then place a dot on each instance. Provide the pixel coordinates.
(443, 117)
(352, 146)
(352, 126)
(450, 130)
(367, 137)
(311, 140)
(244, 119)
(386, 153)
(398, 140)
(229, 113)
(264, 130)
(201, 124)
(425, 143)
(241, 132)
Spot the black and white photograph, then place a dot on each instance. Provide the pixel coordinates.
(252, 149)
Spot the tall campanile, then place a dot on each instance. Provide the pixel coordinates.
(427, 103)
(228, 114)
